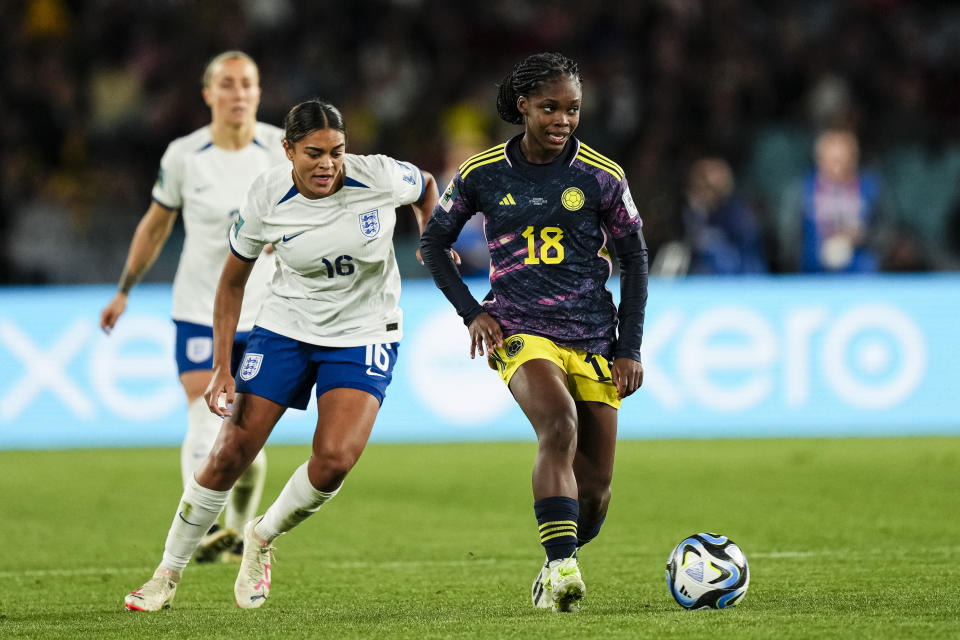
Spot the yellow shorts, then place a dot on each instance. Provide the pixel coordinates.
(588, 375)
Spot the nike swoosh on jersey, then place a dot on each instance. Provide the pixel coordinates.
(289, 238)
(371, 372)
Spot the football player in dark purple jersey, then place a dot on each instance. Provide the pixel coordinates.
(552, 206)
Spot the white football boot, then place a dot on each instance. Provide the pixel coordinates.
(542, 598)
(565, 585)
(253, 582)
(156, 594)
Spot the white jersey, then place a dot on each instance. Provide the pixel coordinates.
(208, 185)
(337, 282)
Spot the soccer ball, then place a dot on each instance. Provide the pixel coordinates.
(707, 571)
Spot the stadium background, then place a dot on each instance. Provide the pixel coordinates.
(93, 91)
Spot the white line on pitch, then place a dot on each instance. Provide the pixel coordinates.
(852, 553)
(88, 571)
(360, 564)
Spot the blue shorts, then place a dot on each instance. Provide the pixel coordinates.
(284, 370)
(195, 347)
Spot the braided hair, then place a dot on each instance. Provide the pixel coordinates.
(309, 116)
(527, 77)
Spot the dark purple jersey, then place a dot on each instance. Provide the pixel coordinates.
(547, 227)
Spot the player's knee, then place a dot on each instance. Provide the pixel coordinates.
(336, 462)
(558, 433)
(228, 458)
(225, 461)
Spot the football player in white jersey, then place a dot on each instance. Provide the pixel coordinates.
(330, 320)
(205, 176)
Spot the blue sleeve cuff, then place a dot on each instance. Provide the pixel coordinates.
(237, 253)
(165, 205)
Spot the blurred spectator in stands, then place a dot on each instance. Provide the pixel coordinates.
(831, 222)
(720, 232)
(465, 125)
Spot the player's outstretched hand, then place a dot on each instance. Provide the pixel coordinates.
(627, 374)
(484, 330)
(112, 312)
(220, 392)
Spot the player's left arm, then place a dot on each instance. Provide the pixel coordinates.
(620, 215)
(627, 371)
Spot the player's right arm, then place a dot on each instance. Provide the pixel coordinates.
(226, 314)
(451, 213)
(246, 243)
(148, 240)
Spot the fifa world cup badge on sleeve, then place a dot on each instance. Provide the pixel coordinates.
(407, 173)
(449, 195)
(630, 204)
(251, 365)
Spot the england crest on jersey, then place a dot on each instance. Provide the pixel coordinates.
(251, 365)
(370, 223)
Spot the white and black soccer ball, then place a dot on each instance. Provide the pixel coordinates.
(707, 571)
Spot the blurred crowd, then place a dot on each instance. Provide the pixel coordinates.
(795, 136)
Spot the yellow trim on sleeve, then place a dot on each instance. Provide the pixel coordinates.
(463, 174)
(483, 155)
(596, 155)
(583, 158)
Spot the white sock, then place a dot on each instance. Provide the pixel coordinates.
(297, 502)
(202, 430)
(246, 493)
(198, 509)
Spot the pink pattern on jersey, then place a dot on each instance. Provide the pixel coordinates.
(496, 273)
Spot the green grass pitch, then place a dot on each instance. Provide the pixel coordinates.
(846, 538)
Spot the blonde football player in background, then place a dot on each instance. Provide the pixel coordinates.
(205, 175)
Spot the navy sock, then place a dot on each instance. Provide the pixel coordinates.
(557, 518)
(587, 531)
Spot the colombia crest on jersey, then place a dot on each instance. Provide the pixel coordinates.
(547, 228)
